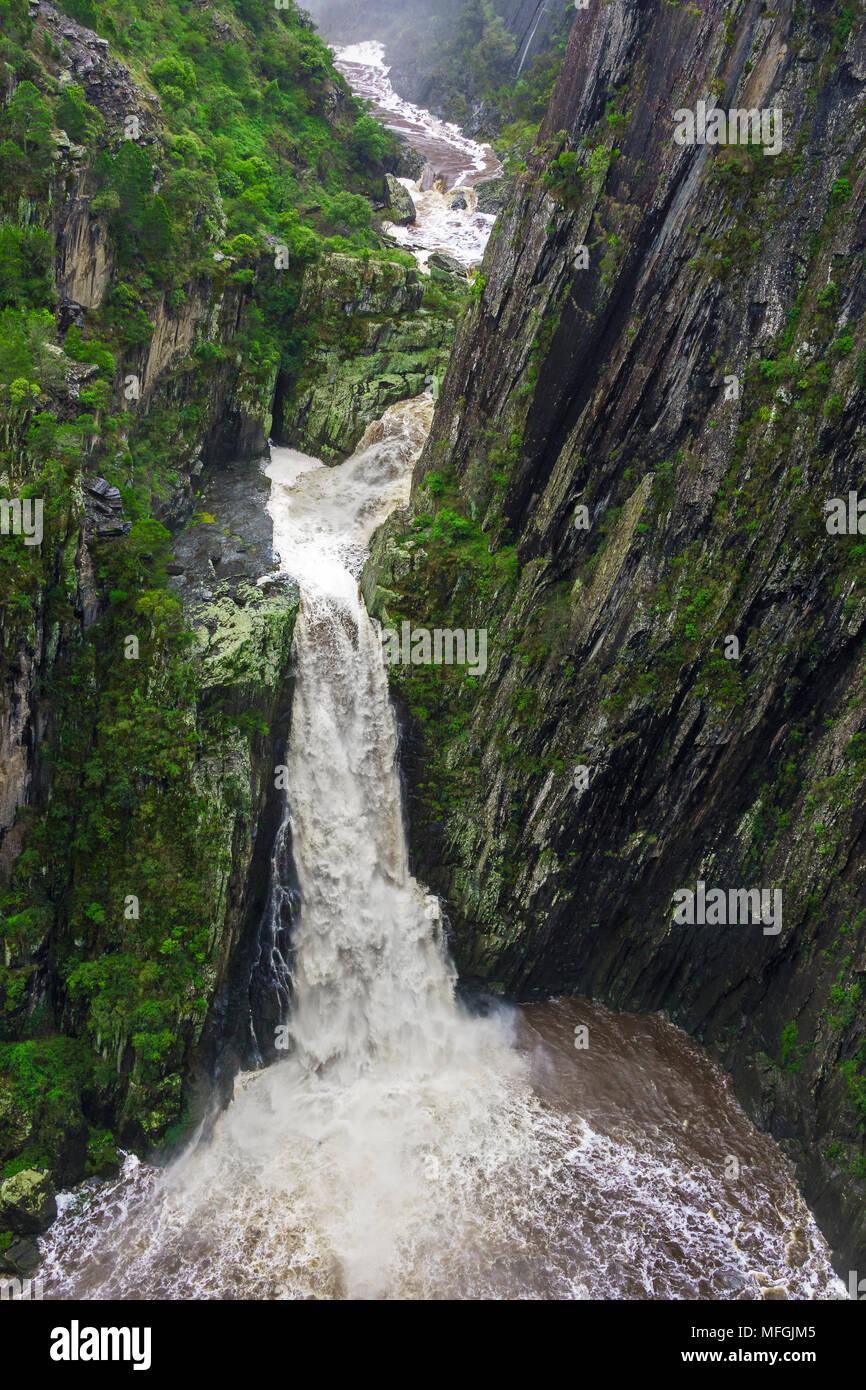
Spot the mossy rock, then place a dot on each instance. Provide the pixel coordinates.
(27, 1202)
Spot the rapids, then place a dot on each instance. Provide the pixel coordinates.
(406, 1147)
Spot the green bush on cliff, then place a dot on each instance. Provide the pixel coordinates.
(75, 115)
(41, 1084)
(26, 269)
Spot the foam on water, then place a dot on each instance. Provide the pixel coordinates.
(461, 162)
(406, 1148)
(363, 65)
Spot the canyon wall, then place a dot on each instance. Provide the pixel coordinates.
(659, 387)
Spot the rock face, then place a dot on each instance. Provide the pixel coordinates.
(645, 414)
(443, 265)
(378, 345)
(493, 194)
(219, 696)
(27, 1204)
(233, 411)
(398, 201)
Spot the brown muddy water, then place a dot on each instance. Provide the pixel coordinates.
(407, 1148)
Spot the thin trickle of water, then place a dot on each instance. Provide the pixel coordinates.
(526, 47)
(405, 1148)
(272, 969)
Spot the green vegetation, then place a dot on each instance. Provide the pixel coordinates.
(256, 144)
(792, 1052)
(474, 76)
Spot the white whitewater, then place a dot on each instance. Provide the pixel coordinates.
(405, 1148)
(374, 1160)
(459, 161)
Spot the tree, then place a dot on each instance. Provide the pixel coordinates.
(73, 112)
(370, 140)
(29, 122)
(26, 266)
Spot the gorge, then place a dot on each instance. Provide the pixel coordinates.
(454, 1117)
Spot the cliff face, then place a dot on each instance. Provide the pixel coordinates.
(383, 331)
(145, 687)
(660, 386)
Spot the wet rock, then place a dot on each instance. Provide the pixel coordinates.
(399, 202)
(428, 178)
(20, 1258)
(397, 345)
(408, 164)
(492, 195)
(441, 264)
(27, 1202)
(458, 202)
(631, 343)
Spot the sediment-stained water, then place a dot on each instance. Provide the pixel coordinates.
(406, 1147)
(459, 163)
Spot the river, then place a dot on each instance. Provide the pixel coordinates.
(407, 1146)
(456, 162)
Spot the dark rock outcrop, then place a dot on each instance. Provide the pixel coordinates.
(660, 388)
(27, 1203)
(398, 201)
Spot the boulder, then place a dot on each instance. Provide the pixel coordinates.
(440, 265)
(408, 164)
(458, 201)
(401, 209)
(27, 1202)
(19, 1257)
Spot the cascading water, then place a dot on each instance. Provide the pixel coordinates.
(382, 1146)
(459, 161)
(403, 1147)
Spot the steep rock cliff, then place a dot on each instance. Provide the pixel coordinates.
(383, 330)
(671, 337)
(153, 235)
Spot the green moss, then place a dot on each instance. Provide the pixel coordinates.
(792, 1053)
(41, 1085)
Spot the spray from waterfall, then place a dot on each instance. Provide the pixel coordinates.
(405, 1148)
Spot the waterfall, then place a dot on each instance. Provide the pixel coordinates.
(373, 986)
(403, 1147)
(528, 43)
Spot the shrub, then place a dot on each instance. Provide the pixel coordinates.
(175, 72)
